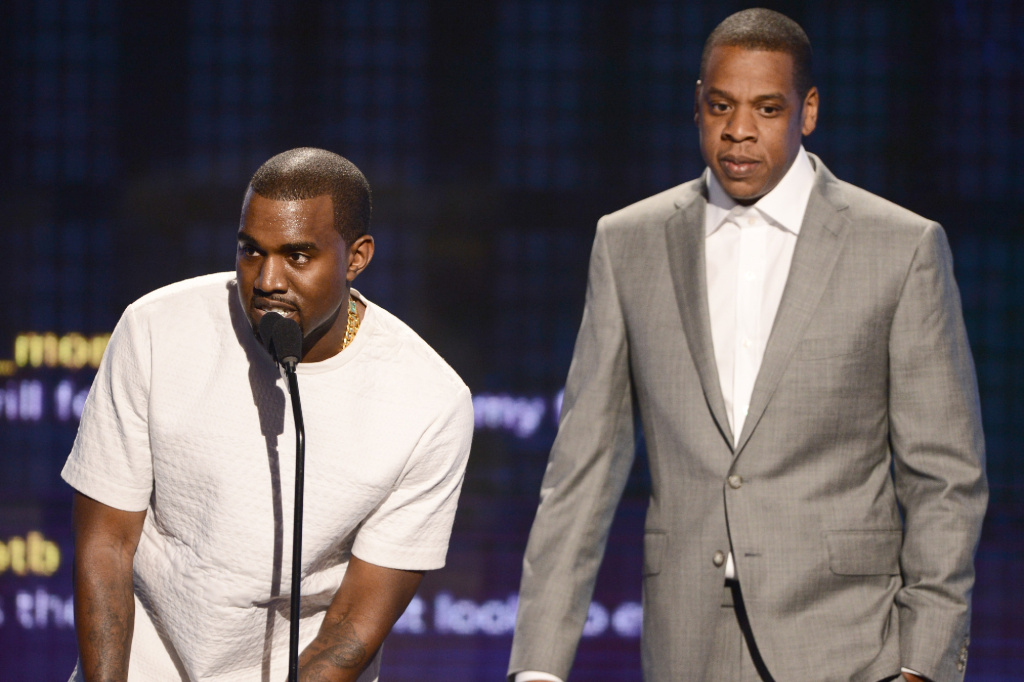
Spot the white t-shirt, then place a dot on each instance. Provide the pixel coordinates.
(189, 418)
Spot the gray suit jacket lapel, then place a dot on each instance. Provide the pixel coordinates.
(817, 250)
(684, 234)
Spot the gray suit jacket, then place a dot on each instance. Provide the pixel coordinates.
(854, 498)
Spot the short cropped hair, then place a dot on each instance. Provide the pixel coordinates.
(764, 29)
(307, 173)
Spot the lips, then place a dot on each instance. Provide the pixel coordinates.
(262, 306)
(738, 167)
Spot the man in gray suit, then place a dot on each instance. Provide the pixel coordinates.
(795, 351)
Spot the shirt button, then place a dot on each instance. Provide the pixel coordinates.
(747, 343)
(750, 275)
(751, 221)
(735, 482)
(718, 559)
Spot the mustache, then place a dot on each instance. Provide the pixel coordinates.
(273, 302)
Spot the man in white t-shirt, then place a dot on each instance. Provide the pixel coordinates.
(183, 465)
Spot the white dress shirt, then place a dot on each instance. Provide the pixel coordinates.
(748, 251)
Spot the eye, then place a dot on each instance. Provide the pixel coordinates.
(299, 258)
(247, 250)
(718, 107)
(770, 109)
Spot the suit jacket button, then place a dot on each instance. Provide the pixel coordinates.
(718, 559)
(735, 481)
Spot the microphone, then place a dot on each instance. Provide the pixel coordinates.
(282, 338)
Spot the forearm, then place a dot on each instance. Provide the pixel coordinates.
(366, 606)
(105, 542)
(104, 614)
(340, 652)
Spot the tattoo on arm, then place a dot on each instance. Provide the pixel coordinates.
(339, 648)
(365, 607)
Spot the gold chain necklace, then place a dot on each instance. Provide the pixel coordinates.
(353, 324)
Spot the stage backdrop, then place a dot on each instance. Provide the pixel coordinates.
(495, 134)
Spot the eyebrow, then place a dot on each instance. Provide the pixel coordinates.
(759, 98)
(244, 237)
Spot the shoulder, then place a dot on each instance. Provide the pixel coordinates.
(868, 212)
(186, 318)
(653, 211)
(870, 208)
(401, 357)
(886, 233)
(186, 295)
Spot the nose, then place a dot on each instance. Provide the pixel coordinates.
(271, 278)
(741, 126)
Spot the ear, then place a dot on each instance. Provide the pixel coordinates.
(810, 112)
(360, 253)
(696, 104)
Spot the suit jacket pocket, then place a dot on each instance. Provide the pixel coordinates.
(654, 551)
(864, 552)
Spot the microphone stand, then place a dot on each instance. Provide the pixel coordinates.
(282, 338)
(300, 465)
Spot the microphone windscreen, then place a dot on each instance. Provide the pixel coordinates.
(282, 338)
(266, 329)
(287, 341)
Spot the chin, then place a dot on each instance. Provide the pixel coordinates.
(745, 197)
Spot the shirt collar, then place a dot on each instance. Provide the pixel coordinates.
(784, 206)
